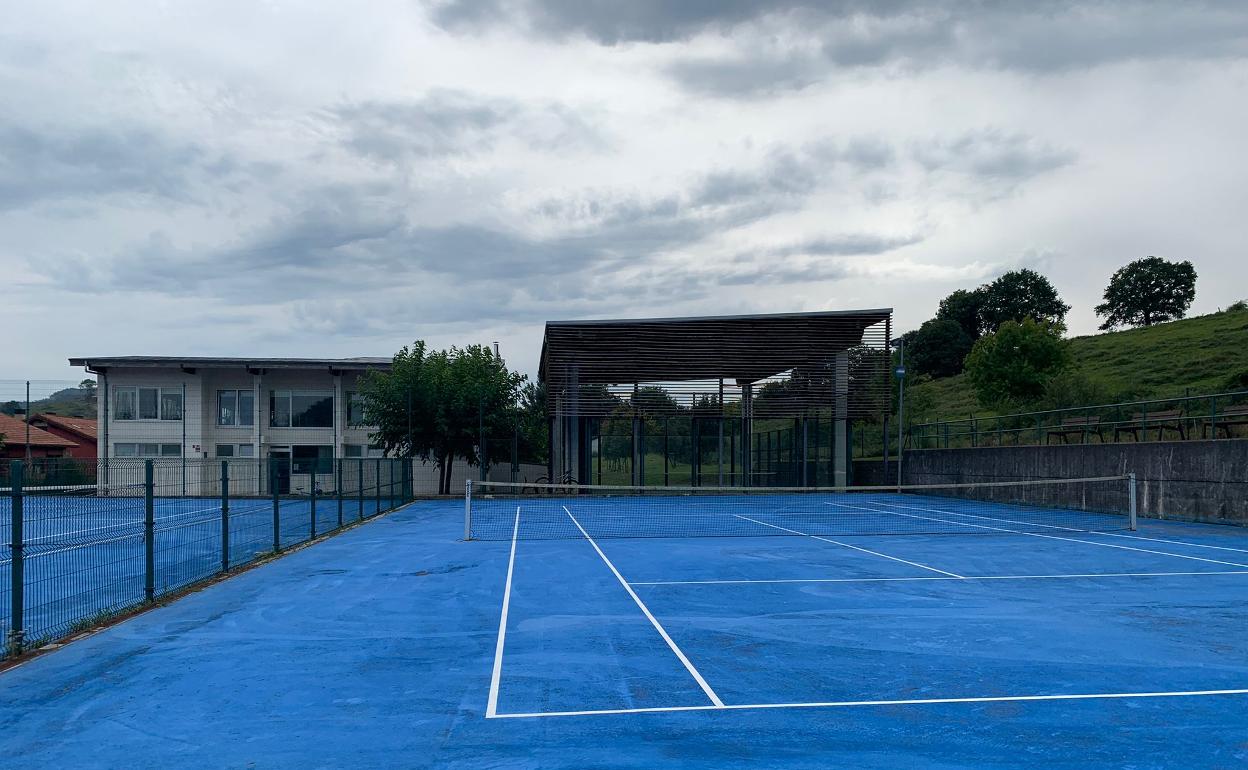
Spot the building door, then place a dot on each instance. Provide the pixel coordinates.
(280, 458)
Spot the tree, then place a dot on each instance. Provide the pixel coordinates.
(938, 348)
(434, 405)
(965, 308)
(1148, 291)
(1014, 365)
(1021, 294)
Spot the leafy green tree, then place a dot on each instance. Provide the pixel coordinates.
(938, 348)
(1015, 365)
(1021, 294)
(1148, 291)
(965, 308)
(434, 405)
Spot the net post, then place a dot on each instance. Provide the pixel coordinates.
(225, 515)
(277, 507)
(17, 594)
(1131, 494)
(468, 509)
(149, 531)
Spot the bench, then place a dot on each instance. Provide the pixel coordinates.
(1225, 418)
(1141, 422)
(1076, 426)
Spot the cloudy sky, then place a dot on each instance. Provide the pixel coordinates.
(337, 179)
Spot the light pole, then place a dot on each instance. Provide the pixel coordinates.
(901, 402)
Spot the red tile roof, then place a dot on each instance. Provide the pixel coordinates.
(82, 426)
(14, 432)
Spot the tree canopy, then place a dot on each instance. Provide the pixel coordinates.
(1016, 364)
(965, 308)
(435, 404)
(1021, 294)
(938, 348)
(1148, 291)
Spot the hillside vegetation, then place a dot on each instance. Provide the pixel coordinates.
(1205, 354)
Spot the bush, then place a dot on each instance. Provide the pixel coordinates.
(1014, 366)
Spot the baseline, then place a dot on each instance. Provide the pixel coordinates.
(871, 703)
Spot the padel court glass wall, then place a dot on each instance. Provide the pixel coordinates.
(710, 451)
(760, 401)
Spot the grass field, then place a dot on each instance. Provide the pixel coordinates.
(1205, 354)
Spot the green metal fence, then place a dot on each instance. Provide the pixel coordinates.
(90, 539)
(1211, 416)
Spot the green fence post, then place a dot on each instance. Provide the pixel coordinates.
(338, 488)
(377, 490)
(149, 531)
(225, 515)
(359, 491)
(1213, 418)
(277, 506)
(1039, 431)
(312, 496)
(16, 595)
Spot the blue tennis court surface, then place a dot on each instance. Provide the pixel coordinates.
(398, 645)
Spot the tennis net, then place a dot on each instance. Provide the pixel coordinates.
(501, 511)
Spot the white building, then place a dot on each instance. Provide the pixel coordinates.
(170, 407)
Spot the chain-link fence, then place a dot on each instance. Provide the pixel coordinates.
(90, 539)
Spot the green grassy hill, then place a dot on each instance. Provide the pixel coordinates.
(1205, 354)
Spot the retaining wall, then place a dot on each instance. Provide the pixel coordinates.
(1190, 480)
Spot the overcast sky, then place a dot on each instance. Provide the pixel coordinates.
(339, 179)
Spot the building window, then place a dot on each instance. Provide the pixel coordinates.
(123, 404)
(171, 403)
(147, 404)
(352, 450)
(295, 409)
(306, 459)
(236, 408)
(147, 450)
(236, 450)
(355, 409)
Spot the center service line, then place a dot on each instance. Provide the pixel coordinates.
(706, 688)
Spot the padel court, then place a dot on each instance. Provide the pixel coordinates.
(783, 603)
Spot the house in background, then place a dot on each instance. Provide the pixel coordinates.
(13, 436)
(299, 409)
(80, 430)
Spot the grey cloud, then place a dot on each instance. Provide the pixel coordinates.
(609, 22)
(993, 157)
(786, 45)
(52, 163)
(748, 75)
(454, 122)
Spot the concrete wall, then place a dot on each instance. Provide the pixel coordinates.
(1190, 480)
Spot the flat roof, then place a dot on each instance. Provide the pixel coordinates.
(745, 348)
(209, 362)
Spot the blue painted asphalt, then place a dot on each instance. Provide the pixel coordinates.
(376, 648)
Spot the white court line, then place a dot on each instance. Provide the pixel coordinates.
(1076, 529)
(491, 707)
(898, 702)
(930, 578)
(706, 688)
(1032, 534)
(847, 545)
